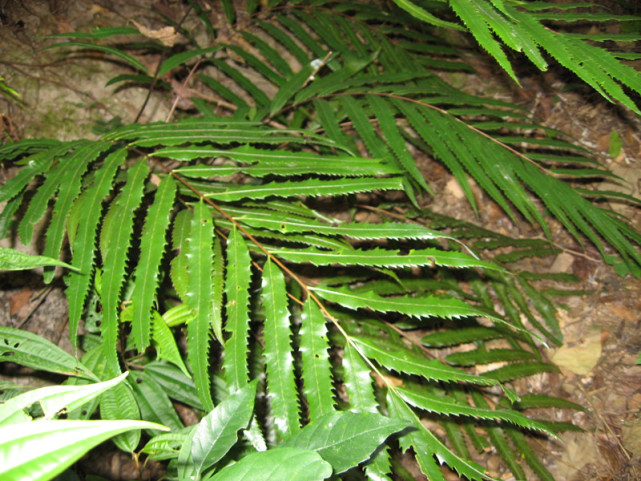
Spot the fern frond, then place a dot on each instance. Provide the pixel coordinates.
(450, 407)
(419, 307)
(237, 282)
(279, 361)
(403, 360)
(199, 298)
(152, 248)
(84, 236)
(115, 239)
(382, 257)
(317, 374)
(427, 446)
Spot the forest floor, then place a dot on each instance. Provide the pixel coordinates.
(65, 97)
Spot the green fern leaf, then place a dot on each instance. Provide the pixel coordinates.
(382, 257)
(83, 243)
(243, 82)
(357, 379)
(131, 60)
(67, 194)
(237, 282)
(401, 359)
(317, 375)
(279, 362)
(469, 11)
(295, 83)
(217, 290)
(258, 65)
(361, 230)
(310, 187)
(499, 441)
(426, 445)
(541, 401)
(423, 15)
(526, 452)
(270, 54)
(199, 298)
(35, 165)
(431, 306)
(460, 336)
(152, 248)
(180, 58)
(387, 124)
(115, 240)
(276, 162)
(40, 202)
(442, 405)
(471, 358)
(7, 221)
(517, 370)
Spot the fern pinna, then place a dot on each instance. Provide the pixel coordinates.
(217, 229)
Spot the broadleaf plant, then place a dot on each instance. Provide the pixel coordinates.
(250, 263)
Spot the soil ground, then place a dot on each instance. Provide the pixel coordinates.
(65, 97)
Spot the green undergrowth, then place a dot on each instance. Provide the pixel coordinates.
(220, 259)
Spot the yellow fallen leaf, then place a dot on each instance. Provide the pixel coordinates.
(166, 35)
(580, 359)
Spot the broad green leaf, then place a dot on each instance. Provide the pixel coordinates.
(175, 383)
(165, 342)
(277, 465)
(216, 433)
(13, 260)
(199, 298)
(53, 399)
(153, 402)
(164, 446)
(279, 361)
(345, 439)
(115, 239)
(152, 248)
(40, 450)
(119, 403)
(31, 350)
